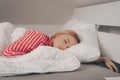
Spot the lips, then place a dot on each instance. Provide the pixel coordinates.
(60, 47)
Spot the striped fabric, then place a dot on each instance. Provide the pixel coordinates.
(31, 40)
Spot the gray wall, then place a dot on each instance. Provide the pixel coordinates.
(48, 12)
(35, 11)
(48, 29)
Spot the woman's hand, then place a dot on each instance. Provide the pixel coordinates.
(110, 64)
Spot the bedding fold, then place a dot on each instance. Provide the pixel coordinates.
(41, 60)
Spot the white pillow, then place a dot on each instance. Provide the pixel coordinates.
(87, 50)
(17, 33)
(110, 45)
(6, 29)
(76, 24)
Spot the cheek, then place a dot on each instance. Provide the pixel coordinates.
(56, 43)
(73, 42)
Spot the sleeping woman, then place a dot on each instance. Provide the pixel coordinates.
(62, 40)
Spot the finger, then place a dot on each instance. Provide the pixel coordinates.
(110, 67)
(115, 68)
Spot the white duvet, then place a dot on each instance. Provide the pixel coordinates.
(41, 60)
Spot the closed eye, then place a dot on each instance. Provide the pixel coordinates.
(65, 41)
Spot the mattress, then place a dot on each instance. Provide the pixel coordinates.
(85, 72)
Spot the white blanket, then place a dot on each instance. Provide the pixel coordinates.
(41, 60)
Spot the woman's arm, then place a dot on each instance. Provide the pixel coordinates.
(108, 63)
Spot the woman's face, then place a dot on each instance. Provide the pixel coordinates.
(64, 41)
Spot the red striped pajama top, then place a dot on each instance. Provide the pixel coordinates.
(31, 40)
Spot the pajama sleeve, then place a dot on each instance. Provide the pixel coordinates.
(31, 40)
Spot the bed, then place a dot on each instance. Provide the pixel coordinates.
(85, 72)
